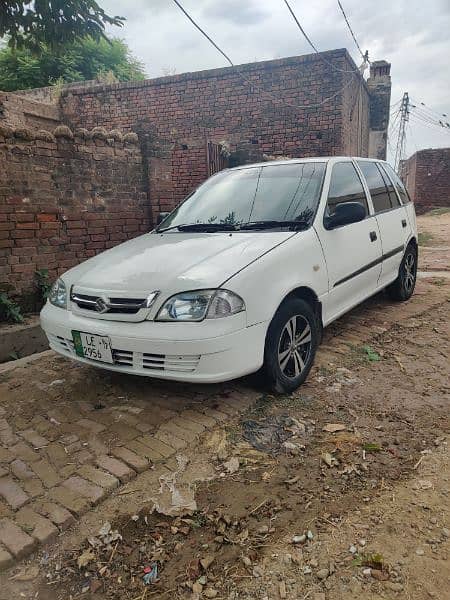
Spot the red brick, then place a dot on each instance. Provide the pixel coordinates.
(12, 493)
(15, 540)
(93, 493)
(116, 468)
(36, 525)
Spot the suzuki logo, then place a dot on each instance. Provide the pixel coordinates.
(101, 306)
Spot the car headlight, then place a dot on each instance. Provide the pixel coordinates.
(58, 294)
(199, 305)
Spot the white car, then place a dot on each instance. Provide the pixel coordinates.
(243, 275)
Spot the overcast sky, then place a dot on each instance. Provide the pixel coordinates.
(411, 34)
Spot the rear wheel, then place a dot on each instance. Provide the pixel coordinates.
(291, 345)
(403, 287)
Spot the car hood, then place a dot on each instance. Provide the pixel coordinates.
(173, 262)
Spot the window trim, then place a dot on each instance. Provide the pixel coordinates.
(363, 185)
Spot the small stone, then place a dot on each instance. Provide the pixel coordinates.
(246, 560)
(263, 529)
(307, 570)
(420, 552)
(210, 593)
(362, 543)
(309, 534)
(367, 572)
(353, 549)
(445, 532)
(95, 585)
(322, 573)
(299, 539)
(257, 571)
(379, 575)
(197, 588)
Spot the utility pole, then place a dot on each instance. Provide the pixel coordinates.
(401, 141)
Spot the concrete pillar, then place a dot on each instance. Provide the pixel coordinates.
(379, 84)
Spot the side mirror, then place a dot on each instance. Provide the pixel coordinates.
(161, 217)
(345, 213)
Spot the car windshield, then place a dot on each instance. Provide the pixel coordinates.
(255, 195)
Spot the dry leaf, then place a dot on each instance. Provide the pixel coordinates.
(333, 427)
(85, 558)
(329, 460)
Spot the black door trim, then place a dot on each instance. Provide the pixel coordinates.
(370, 265)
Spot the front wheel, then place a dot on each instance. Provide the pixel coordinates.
(291, 345)
(403, 287)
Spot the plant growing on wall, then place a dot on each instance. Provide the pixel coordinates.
(43, 283)
(88, 58)
(9, 310)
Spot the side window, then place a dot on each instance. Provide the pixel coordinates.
(376, 184)
(345, 186)
(390, 187)
(398, 183)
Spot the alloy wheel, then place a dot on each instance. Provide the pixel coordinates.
(294, 347)
(409, 276)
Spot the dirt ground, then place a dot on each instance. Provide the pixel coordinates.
(339, 491)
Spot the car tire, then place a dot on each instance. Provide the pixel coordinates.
(291, 344)
(403, 287)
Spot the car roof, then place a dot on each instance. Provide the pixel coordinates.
(303, 160)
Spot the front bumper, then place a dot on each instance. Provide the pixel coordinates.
(148, 348)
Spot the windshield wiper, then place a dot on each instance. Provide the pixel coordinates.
(293, 225)
(201, 227)
(249, 226)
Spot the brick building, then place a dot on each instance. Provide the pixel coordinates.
(427, 176)
(94, 166)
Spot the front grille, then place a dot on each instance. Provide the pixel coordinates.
(125, 306)
(137, 360)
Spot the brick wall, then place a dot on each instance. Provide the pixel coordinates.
(64, 199)
(176, 116)
(427, 177)
(18, 111)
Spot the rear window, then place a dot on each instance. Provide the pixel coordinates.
(378, 191)
(380, 186)
(401, 189)
(390, 187)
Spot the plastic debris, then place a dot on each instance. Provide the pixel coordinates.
(151, 573)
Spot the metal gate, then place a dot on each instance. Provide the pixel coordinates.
(215, 157)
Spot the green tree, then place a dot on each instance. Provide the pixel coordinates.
(81, 60)
(54, 23)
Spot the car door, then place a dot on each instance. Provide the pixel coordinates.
(391, 217)
(352, 252)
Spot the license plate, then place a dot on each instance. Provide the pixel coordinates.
(94, 347)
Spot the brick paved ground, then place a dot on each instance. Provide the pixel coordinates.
(71, 435)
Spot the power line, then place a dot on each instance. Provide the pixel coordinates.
(364, 56)
(432, 120)
(308, 39)
(426, 108)
(424, 123)
(257, 87)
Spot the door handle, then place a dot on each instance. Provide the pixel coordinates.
(373, 236)
(403, 222)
